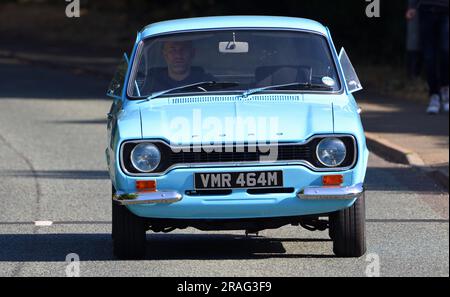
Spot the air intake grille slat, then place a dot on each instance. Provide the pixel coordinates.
(283, 153)
(216, 99)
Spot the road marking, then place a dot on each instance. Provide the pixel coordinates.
(407, 220)
(60, 223)
(50, 223)
(43, 223)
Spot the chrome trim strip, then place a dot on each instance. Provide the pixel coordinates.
(328, 193)
(147, 198)
(240, 164)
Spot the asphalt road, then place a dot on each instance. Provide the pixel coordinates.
(52, 168)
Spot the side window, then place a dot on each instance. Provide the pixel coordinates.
(117, 83)
(351, 77)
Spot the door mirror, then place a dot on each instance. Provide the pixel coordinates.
(116, 85)
(351, 78)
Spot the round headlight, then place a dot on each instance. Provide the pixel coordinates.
(145, 157)
(331, 152)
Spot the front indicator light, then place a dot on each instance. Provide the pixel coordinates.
(146, 185)
(332, 180)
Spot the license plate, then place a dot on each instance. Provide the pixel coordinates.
(237, 180)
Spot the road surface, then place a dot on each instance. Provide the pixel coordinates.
(52, 168)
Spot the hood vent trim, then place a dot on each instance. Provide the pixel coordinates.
(215, 99)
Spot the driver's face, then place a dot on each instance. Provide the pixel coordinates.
(178, 56)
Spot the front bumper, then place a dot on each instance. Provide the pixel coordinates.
(331, 193)
(309, 193)
(174, 205)
(179, 203)
(147, 198)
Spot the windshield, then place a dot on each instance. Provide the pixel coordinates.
(232, 61)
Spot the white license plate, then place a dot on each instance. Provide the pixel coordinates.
(236, 180)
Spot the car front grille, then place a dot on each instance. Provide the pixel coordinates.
(243, 154)
(237, 153)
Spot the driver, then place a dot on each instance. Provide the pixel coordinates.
(178, 56)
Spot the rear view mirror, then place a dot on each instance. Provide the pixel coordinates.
(233, 47)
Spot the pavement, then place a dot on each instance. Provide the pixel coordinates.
(55, 195)
(401, 131)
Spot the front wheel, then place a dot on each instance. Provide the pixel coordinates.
(128, 234)
(347, 229)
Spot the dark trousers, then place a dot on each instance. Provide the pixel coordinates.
(414, 64)
(434, 32)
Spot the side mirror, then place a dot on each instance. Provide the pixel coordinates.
(113, 87)
(351, 78)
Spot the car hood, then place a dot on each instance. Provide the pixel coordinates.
(227, 120)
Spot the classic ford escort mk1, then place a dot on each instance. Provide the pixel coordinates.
(236, 123)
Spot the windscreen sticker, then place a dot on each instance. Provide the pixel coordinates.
(328, 81)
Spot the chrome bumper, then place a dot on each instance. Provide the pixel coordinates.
(147, 198)
(330, 193)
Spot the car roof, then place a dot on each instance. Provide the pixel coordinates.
(221, 22)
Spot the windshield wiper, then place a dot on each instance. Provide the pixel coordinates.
(200, 85)
(299, 86)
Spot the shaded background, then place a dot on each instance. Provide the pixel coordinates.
(107, 28)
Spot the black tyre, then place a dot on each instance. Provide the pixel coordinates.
(347, 229)
(113, 227)
(128, 232)
(331, 228)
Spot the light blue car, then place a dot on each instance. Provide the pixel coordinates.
(236, 123)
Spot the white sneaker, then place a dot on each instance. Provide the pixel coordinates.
(435, 104)
(445, 99)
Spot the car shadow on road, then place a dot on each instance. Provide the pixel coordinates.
(57, 174)
(400, 179)
(81, 122)
(98, 247)
(25, 81)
